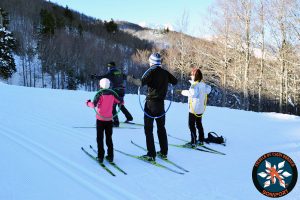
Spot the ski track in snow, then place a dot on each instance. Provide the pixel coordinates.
(66, 166)
(36, 129)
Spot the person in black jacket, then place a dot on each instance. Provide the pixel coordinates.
(118, 81)
(157, 80)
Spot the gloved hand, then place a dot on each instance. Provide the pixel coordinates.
(133, 80)
(130, 78)
(178, 91)
(87, 101)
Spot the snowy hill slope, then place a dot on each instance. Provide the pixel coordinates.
(41, 156)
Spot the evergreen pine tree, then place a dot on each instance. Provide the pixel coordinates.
(111, 26)
(80, 30)
(7, 44)
(71, 80)
(47, 22)
(68, 14)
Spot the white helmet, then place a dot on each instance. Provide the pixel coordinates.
(104, 83)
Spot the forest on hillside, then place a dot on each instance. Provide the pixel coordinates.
(70, 46)
(252, 59)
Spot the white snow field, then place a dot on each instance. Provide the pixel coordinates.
(41, 157)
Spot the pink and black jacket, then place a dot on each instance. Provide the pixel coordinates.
(104, 102)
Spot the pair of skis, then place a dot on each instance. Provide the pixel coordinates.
(164, 159)
(154, 162)
(102, 164)
(202, 148)
(133, 156)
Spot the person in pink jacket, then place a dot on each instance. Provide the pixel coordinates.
(103, 103)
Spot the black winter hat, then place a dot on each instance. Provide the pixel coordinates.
(111, 64)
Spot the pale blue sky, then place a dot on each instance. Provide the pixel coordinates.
(160, 12)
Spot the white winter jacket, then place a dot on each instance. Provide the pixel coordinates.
(197, 95)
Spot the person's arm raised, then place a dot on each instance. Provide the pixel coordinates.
(172, 79)
(131, 79)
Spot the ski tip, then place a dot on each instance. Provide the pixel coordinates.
(91, 146)
(81, 148)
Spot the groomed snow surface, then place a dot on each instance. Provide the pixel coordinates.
(41, 156)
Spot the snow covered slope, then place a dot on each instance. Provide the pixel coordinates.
(41, 156)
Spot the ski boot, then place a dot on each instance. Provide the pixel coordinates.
(148, 158)
(109, 159)
(100, 160)
(162, 156)
(190, 145)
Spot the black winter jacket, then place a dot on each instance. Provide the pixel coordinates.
(117, 80)
(157, 80)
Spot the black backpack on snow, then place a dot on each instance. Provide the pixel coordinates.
(215, 138)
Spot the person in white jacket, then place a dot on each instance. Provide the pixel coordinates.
(197, 98)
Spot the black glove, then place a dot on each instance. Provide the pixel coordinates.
(87, 101)
(178, 91)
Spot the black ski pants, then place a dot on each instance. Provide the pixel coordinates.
(105, 127)
(124, 111)
(193, 123)
(155, 109)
